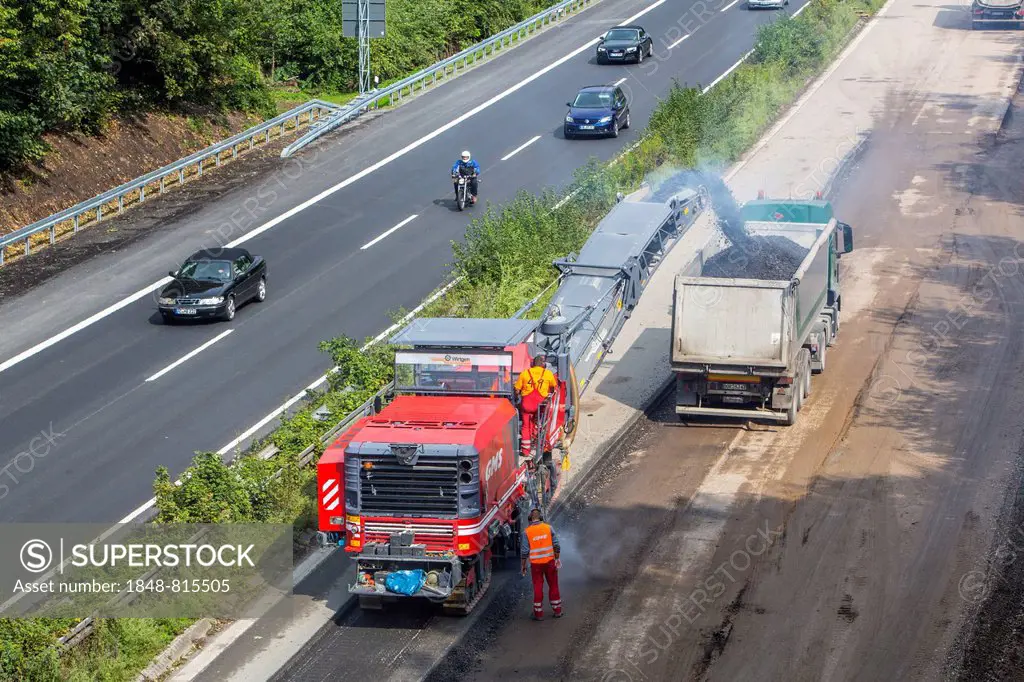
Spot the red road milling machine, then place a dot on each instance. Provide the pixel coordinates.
(437, 480)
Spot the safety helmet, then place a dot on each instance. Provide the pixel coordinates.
(465, 155)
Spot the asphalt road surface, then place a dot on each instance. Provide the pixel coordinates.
(879, 538)
(328, 273)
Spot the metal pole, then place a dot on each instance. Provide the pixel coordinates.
(364, 46)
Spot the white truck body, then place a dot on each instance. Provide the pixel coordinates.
(747, 347)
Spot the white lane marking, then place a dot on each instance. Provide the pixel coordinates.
(520, 148)
(568, 197)
(620, 81)
(143, 508)
(680, 40)
(191, 355)
(798, 105)
(729, 5)
(801, 9)
(326, 193)
(727, 72)
(25, 355)
(385, 234)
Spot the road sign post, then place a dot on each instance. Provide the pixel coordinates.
(362, 20)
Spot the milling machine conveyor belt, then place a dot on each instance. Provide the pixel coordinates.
(600, 287)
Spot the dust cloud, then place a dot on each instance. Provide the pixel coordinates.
(772, 257)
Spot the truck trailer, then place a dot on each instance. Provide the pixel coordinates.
(750, 324)
(429, 489)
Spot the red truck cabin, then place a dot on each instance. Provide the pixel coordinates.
(436, 465)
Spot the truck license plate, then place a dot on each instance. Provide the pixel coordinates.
(184, 311)
(734, 387)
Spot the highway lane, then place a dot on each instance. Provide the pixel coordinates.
(119, 427)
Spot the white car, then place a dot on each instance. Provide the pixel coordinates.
(766, 4)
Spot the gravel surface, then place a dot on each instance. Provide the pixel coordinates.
(767, 258)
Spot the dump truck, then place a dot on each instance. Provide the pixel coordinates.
(427, 490)
(752, 322)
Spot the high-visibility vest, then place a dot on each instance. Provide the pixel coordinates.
(541, 549)
(536, 378)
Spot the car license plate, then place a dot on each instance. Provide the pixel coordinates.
(586, 127)
(732, 399)
(184, 311)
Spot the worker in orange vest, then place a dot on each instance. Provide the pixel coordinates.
(533, 387)
(542, 550)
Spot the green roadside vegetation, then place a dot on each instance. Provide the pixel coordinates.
(70, 65)
(504, 261)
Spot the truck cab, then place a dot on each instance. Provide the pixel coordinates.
(434, 484)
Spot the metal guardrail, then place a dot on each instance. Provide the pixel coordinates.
(421, 80)
(85, 627)
(71, 220)
(373, 404)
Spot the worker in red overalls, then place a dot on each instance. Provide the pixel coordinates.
(540, 546)
(533, 387)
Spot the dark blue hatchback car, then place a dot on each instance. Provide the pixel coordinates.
(597, 110)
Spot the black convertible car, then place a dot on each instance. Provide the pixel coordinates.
(624, 44)
(212, 284)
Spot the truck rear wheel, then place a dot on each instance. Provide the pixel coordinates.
(791, 412)
(807, 382)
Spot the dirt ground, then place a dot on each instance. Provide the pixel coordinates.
(82, 166)
(160, 212)
(878, 539)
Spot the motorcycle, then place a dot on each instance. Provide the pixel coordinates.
(462, 190)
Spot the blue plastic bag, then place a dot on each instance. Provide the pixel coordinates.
(405, 582)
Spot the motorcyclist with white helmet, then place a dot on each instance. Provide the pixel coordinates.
(470, 169)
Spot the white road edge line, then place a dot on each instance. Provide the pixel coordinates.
(520, 148)
(680, 40)
(142, 509)
(802, 8)
(216, 646)
(732, 172)
(620, 81)
(237, 632)
(393, 229)
(39, 347)
(729, 5)
(191, 355)
(727, 72)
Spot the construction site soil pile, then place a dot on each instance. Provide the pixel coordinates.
(766, 258)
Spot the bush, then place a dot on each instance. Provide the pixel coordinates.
(505, 260)
(71, 65)
(20, 139)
